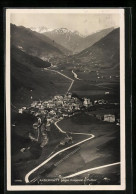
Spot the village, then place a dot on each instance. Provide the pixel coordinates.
(58, 108)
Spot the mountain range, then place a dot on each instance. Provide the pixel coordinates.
(73, 40)
(65, 37)
(35, 44)
(31, 51)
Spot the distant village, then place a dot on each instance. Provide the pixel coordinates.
(59, 107)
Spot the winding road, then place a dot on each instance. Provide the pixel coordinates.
(91, 169)
(91, 136)
(72, 80)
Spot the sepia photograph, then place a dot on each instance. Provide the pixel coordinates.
(65, 99)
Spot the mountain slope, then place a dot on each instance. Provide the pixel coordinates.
(92, 39)
(29, 60)
(73, 40)
(65, 37)
(29, 80)
(35, 43)
(103, 54)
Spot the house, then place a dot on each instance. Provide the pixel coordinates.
(35, 125)
(21, 110)
(77, 106)
(109, 118)
(39, 120)
(106, 179)
(65, 115)
(37, 114)
(22, 149)
(48, 105)
(73, 104)
(58, 97)
(118, 122)
(45, 103)
(69, 95)
(59, 102)
(107, 93)
(34, 104)
(96, 102)
(40, 103)
(52, 113)
(61, 97)
(86, 102)
(44, 112)
(101, 101)
(48, 120)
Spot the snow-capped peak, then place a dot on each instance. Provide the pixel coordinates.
(62, 30)
(66, 31)
(41, 29)
(77, 33)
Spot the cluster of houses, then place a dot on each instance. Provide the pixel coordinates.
(48, 112)
(56, 108)
(59, 107)
(87, 103)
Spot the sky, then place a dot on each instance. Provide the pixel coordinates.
(84, 23)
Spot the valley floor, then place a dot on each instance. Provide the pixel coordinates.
(95, 143)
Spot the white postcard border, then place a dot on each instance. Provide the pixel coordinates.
(122, 103)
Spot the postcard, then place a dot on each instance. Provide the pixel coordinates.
(65, 99)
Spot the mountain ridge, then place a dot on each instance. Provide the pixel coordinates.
(36, 44)
(104, 53)
(73, 40)
(30, 82)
